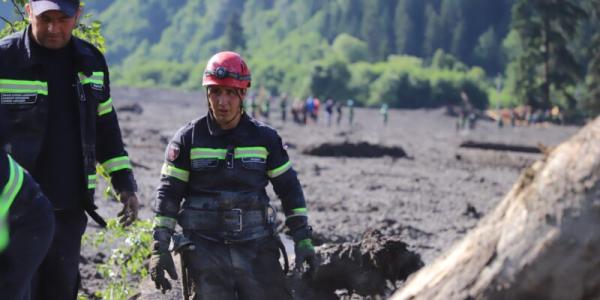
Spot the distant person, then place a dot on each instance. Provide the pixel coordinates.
(297, 111)
(266, 107)
(338, 108)
(254, 105)
(213, 185)
(329, 111)
(350, 104)
(309, 107)
(55, 88)
(316, 107)
(513, 117)
(26, 225)
(283, 104)
(384, 113)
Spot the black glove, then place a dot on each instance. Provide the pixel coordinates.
(303, 247)
(161, 261)
(305, 252)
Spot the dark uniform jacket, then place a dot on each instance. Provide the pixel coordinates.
(24, 94)
(217, 172)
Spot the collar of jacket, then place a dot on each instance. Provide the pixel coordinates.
(83, 54)
(215, 130)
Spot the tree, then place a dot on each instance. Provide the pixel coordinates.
(538, 243)
(234, 39)
(350, 48)
(592, 103)
(330, 79)
(487, 52)
(545, 62)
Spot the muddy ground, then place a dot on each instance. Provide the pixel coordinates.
(410, 180)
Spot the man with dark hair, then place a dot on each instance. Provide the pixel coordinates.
(55, 88)
(213, 185)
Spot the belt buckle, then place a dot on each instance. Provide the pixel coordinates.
(241, 226)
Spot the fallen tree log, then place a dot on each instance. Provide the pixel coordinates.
(500, 147)
(541, 242)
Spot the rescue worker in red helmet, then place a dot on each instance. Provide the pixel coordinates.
(213, 185)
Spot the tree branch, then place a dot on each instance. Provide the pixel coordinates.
(12, 27)
(18, 9)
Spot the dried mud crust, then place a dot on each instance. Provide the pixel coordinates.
(426, 202)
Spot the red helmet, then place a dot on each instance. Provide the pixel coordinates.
(227, 68)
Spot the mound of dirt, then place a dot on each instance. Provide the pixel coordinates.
(365, 267)
(360, 149)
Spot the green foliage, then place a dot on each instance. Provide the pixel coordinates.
(349, 48)
(89, 32)
(545, 62)
(126, 263)
(404, 82)
(442, 60)
(329, 79)
(290, 32)
(234, 34)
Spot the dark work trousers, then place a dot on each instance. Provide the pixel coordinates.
(58, 275)
(249, 270)
(31, 225)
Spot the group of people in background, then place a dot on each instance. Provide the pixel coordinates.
(307, 111)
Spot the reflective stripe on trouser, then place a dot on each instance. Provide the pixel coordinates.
(239, 271)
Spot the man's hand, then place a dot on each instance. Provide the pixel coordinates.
(161, 261)
(131, 206)
(305, 252)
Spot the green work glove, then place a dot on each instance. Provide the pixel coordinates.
(305, 252)
(161, 261)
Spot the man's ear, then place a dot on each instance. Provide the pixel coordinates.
(29, 11)
(78, 14)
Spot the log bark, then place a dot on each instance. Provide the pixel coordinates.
(541, 242)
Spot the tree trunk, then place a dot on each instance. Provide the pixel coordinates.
(541, 242)
(546, 104)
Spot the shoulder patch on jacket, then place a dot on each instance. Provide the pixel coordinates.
(172, 152)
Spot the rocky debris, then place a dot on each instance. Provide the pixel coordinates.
(472, 212)
(134, 108)
(540, 242)
(360, 149)
(366, 267)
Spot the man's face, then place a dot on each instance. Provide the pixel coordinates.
(226, 105)
(52, 29)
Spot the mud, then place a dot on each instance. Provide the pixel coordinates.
(361, 149)
(419, 205)
(368, 267)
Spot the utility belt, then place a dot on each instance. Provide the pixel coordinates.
(230, 218)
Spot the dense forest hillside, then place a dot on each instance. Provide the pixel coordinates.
(409, 53)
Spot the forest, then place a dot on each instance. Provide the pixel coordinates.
(407, 53)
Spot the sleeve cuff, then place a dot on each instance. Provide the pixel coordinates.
(123, 180)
